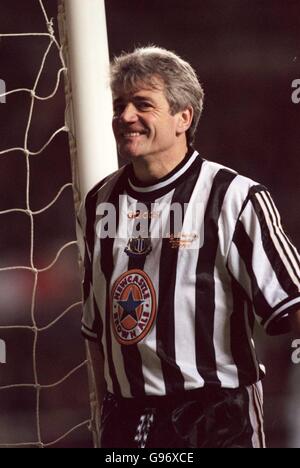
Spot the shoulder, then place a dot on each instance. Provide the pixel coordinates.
(241, 187)
(104, 185)
(99, 193)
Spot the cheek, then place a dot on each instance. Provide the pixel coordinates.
(114, 125)
(169, 128)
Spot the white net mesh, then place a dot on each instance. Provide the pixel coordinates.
(33, 323)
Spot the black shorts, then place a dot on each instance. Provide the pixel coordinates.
(203, 418)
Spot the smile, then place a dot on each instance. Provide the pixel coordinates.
(132, 134)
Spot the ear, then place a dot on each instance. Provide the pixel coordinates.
(185, 119)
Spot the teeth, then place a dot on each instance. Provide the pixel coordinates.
(132, 134)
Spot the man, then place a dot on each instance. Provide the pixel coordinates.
(182, 256)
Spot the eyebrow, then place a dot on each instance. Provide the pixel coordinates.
(134, 98)
(143, 98)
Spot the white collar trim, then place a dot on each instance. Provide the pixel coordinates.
(169, 181)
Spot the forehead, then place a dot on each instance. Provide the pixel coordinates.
(151, 88)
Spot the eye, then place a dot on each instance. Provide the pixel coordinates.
(118, 109)
(144, 105)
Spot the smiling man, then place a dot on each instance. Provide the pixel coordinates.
(147, 133)
(170, 317)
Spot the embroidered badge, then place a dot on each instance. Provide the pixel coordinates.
(138, 247)
(133, 305)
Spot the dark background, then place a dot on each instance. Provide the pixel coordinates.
(246, 54)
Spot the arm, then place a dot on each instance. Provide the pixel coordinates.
(97, 386)
(90, 324)
(97, 363)
(295, 323)
(260, 258)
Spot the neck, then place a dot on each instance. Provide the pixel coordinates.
(151, 168)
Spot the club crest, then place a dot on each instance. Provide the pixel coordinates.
(138, 247)
(133, 305)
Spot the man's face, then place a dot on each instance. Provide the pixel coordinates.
(143, 125)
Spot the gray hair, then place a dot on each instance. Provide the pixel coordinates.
(181, 86)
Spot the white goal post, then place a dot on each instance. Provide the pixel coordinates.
(88, 64)
(89, 113)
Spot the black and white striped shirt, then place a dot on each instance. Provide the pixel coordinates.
(173, 309)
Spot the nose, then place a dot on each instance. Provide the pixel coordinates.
(129, 113)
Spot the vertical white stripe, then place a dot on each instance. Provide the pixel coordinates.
(256, 420)
(184, 310)
(152, 370)
(226, 369)
(263, 270)
(253, 418)
(231, 209)
(185, 294)
(258, 392)
(294, 254)
(274, 238)
(233, 201)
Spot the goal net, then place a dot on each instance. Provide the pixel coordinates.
(43, 381)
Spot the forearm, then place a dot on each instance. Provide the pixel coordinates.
(97, 368)
(97, 388)
(295, 323)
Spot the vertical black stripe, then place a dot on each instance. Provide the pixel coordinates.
(173, 378)
(90, 208)
(245, 249)
(242, 350)
(134, 369)
(132, 357)
(98, 322)
(278, 265)
(111, 366)
(89, 235)
(205, 283)
(107, 267)
(139, 262)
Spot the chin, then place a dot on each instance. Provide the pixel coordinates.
(129, 155)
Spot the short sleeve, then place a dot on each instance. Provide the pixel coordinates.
(91, 322)
(264, 262)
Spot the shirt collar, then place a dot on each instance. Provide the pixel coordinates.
(164, 184)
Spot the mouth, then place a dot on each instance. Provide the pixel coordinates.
(132, 134)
